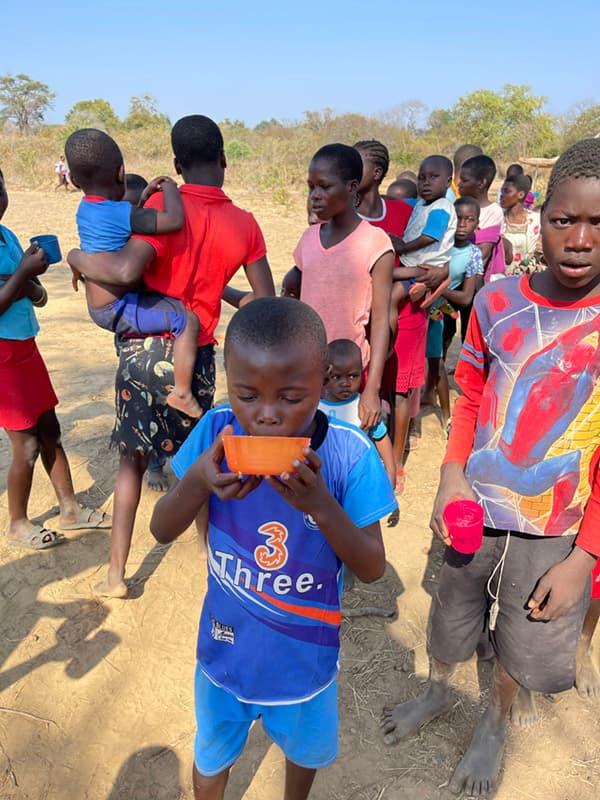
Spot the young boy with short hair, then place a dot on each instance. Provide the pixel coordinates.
(524, 443)
(341, 395)
(268, 644)
(105, 222)
(429, 235)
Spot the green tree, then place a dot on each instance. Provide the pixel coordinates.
(507, 124)
(144, 113)
(96, 113)
(24, 101)
(582, 123)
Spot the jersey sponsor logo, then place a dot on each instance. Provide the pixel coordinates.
(221, 632)
(273, 554)
(310, 523)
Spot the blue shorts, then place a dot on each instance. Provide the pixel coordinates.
(307, 732)
(142, 312)
(435, 338)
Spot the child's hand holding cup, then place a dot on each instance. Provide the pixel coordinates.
(464, 523)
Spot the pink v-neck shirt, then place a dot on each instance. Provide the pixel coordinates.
(336, 281)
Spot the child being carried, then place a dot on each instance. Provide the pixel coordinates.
(105, 221)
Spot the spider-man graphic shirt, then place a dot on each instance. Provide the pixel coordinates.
(269, 628)
(527, 425)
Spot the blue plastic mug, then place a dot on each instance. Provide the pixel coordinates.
(51, 246)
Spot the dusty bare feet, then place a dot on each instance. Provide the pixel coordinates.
(406, 718)
(477, 773)
(184, 402)
(524, 711)
(587, 678)
(157, 480)
(111, 586)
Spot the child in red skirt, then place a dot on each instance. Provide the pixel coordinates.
(27, 399)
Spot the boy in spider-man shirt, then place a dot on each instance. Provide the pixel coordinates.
(524, 443)
(269, 633)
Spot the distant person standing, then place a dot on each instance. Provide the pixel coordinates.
(62, 173)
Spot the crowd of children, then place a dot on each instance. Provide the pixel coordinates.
(366, 319)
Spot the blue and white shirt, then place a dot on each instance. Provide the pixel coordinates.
(269, 629)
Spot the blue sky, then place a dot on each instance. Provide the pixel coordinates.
(257, 60)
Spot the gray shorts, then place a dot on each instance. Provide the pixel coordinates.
(539, 655)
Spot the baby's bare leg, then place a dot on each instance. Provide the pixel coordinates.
(209, 788)
(477, 773)
(406, 718)
(184, 359)
(587, 678)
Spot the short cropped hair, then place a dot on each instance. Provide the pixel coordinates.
(409, 186)
(346, 160)
(196, 139)
(376, 152)
(467, 201)
(482, 168)
(342, 349)
(135, 182)
(581, 160)
(514, 169)
(272, 323)
(522, 183)
(443, 163)
(465, 151)
(93, 157)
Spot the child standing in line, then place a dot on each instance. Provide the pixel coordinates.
(341, 395)
(346, 267)
(105, 222)
(401, 189)
(276, 546)
(524, 442)
(461, 154)
(520, 228)
(466, 268)
(27, 399)
(404, 372)
(476, 176)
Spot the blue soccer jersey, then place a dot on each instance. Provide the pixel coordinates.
(269, 629)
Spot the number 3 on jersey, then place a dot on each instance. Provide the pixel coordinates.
(273, 553)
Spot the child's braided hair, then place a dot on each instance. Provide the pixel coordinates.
(376, 152)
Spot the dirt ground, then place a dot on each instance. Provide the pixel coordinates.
(96, 697)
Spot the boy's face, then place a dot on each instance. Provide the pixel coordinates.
(344, 377)
(3, 196)
(328, 194)
(467, 220)
(275, 392)
(467, 185)
(571, 234)
(432, 181)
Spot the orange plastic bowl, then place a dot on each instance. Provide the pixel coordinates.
(263, 455)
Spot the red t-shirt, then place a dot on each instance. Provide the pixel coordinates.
(394, 219)
(196, 263)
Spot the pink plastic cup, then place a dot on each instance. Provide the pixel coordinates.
(464, 520)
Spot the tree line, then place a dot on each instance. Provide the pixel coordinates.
(508, 124)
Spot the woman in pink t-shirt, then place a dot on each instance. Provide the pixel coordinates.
(346, 267)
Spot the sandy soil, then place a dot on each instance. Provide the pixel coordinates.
(96, 697)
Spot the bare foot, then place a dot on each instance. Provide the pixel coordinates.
(157, 480)
(406, 718)
(587, 678)
(523, 711)
(112, 586)
(477, 773)
(184, 402)
(417, 292)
